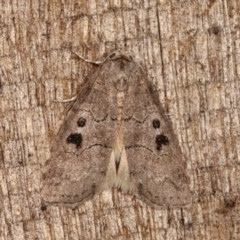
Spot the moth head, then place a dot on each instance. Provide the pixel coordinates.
(120, 54)
(121, 72)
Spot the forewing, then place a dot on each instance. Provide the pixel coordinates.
(156, 164)
(81, 150)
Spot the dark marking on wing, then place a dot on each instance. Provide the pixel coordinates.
(161, 140)
(75, 138)
(81, 122)
(156, 123)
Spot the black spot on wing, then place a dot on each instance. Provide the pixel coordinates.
(161, 140)
(81, 122)
(156, 123)
(75, 138)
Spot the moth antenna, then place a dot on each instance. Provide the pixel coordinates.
(89, 61)
(112, 56)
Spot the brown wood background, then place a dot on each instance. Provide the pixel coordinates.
(190, 49)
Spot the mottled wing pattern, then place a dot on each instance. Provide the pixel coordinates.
(117, 134)
(156, 164)
(81, 150)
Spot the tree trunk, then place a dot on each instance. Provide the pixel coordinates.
(190, 52)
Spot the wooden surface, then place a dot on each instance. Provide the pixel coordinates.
(190, 50)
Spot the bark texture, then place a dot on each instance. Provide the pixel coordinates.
(190, 50)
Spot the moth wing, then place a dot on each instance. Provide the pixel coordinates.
(156, 164)
(81, 150)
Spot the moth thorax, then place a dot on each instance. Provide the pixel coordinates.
(121, 84)
(120, 99)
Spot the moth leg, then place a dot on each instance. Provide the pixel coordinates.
(66, 100)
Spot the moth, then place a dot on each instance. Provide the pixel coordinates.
(116, 135)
